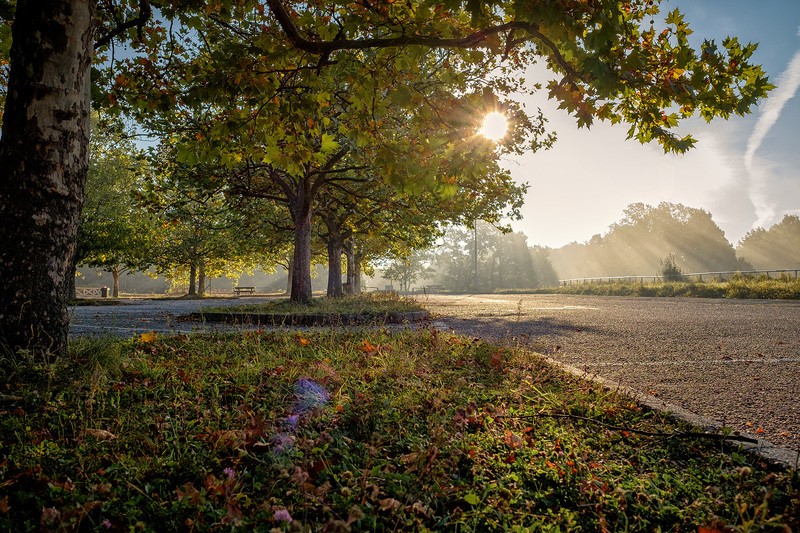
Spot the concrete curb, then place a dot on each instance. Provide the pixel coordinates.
(773, 454)
(276, 320)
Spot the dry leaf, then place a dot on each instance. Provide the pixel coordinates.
(150, 336)
(99, 434)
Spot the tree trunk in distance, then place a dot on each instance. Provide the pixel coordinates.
(289, 271)
(115, 271)
(349, 253)
(192, 279)
(201, 279)
(44, 159)
(334, 267)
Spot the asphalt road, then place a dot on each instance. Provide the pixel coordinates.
(734, 362)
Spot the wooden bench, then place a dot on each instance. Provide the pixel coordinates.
(242, 290)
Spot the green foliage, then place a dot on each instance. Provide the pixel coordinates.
(418, 431)
(774, 248)
(637, 244)
(114, 231)
(504, 260)
(741, 286)
(670, 270)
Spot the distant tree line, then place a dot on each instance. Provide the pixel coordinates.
(649, 239)
(666, 240)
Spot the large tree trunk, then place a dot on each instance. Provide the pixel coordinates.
(335, 268)
(72, 274)
(300, 207)
(43, 157)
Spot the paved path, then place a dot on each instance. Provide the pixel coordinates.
(133, 317)
(735, 362)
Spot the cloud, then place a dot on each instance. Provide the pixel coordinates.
(786, 87)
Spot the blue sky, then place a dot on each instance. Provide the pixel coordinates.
(745, 171)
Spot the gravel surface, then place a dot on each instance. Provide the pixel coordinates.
(735, 362)
(133, 317)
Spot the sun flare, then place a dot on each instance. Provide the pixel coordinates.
(495, 126)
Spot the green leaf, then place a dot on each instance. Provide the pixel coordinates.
(329, 144)
(472, 498)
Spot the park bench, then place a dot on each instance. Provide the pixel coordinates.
(242, 290)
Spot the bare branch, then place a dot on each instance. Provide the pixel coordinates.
(145, 12)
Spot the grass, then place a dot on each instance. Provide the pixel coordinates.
(367, 304)
(362, 430)
(740, 286)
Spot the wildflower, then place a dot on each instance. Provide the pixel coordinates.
(229, 472)
(310, 395)
(282, 515)
(106, 523)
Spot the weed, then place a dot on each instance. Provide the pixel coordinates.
(365, 430)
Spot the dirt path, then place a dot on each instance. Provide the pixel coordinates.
(735, 362)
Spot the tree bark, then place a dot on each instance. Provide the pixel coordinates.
(43, 157)
(115, 272)
(349, 253)
(192, 279)
(300, 207)
(335, 247)
(201, 279)
(289, 272)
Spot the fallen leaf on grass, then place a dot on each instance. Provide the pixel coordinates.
(389, 504)
(99, 434)
(368, 348)
(150, 336)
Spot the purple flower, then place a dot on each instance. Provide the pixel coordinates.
(310, 395)
(229, 472)
(282, 515)
(106, 523)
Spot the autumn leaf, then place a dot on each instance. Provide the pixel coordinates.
(188, 493)
(148, 337)
(99, 434)
(368, 348)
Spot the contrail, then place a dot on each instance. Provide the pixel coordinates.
(786, 87)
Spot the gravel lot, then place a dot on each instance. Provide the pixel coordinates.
(734, 362)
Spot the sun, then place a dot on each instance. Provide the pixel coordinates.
(495, 126)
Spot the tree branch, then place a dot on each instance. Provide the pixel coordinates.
(468, 41)
(145, 13)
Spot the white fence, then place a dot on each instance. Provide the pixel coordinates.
(92, 292)
(694, 276)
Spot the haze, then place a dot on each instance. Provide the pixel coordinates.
(744, 171)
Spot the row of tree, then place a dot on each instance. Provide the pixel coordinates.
(648, 240)
(274, 115)
(649, 235)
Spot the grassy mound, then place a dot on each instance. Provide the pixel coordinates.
(362, 430)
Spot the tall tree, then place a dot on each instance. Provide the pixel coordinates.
(43, 157)
(114, 232)
(610, 65)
